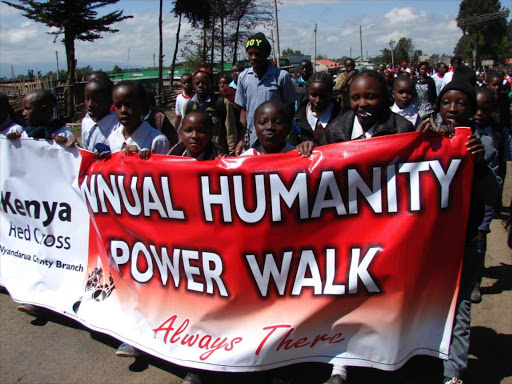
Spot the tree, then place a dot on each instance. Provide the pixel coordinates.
(75, 20)
(486, 39)
(117, 69)
(289, 51)
(404, 50)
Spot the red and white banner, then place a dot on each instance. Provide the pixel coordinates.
(251, 263)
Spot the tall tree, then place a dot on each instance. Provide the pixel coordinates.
(404, 50)
(245, 16)
(160, 53)
(484, 37)
(75, 20)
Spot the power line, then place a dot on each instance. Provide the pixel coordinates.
(483, 18)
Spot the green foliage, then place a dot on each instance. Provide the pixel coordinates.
(117, 69)
(289, 51)
(403, 50)
(489, 39)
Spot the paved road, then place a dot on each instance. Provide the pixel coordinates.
(59, 350)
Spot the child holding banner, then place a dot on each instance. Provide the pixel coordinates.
(38, 108)
(196, 138)
(273, 121)
(456, 105)
(99, 121)
(7, 123)
(134, 134)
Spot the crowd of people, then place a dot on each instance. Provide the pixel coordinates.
(262, 110)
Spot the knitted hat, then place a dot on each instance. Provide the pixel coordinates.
(459, 85)
(259, 41)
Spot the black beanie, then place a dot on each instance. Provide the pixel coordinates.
(258, 40)
(459, 85)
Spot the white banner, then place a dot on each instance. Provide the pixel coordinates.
(44, 225)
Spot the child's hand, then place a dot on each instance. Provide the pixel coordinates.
(60, 139)
(13, 135)
(239, 148)
(430, 128)
(129, 149)
(476, 148)
(305, 149)
(144, 154)
(222, 156)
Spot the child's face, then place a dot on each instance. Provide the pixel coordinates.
(485, 106)
(495, 85)
(186, 84)
(222, 82)
(235, 71)
(97, 102)
(367, 100)
(403, 93)
(455, 108)
(319, 96)
(195, 133)
(422, 71)
(442, 70)
(128, 107)
(34, 113)
(305, 70)
(202, 83)
(272, 127)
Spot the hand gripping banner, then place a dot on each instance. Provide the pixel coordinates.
(351, 255)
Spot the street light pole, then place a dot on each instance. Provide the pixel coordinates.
(278, 56)
(361, 42)
(391, 42)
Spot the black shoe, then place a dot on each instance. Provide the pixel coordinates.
(192, 378)
(336, 379)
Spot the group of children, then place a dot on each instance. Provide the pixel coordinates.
(209, 125)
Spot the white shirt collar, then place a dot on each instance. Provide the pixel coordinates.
(324, 118)
(357, 130)
(410, 110)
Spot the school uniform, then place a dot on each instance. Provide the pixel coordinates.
(438, 80)
(144, 137)
(181, 100)
(97, 132)
(53, 128)
(9, 126)
(258, 149)
(411, 113)
(225, 130)
(346, 127)
(211, 152)
(252, 91)
(307, 126)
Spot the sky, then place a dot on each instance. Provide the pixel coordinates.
(431, 25)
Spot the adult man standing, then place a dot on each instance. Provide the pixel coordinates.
(259, 83)
(344, 80)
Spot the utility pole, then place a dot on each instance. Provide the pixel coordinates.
(314, 57)
(57, 56)
(160, 90)
(391, 42)
(273, 45)
(361, 42)
(278, 58)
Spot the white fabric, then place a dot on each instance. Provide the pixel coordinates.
(181, 100)
(8, 126)
(144, 137)
(357, 130)
(97, 132)
(313, 118)
(62, 132)
(446, 79)
(438, 81)
(410, 113)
